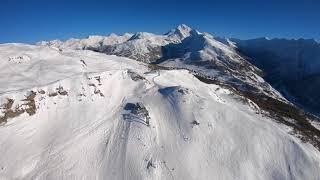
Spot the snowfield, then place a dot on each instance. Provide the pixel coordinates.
(78, 114)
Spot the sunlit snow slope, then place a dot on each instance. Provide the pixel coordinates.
(84, 115)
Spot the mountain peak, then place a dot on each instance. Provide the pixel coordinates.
(181, 31)
(183, 27)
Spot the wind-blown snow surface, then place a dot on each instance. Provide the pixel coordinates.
(82, 130)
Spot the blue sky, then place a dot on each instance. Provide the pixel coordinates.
(30, 21)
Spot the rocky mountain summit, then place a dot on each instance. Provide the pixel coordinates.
(182, 105)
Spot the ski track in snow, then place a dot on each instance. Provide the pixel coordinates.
(83, 135)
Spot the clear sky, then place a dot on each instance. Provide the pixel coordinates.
(30, 21)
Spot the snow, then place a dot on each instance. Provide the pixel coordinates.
(83, 134)
(92, 42)
(149, 37)
(204, 47)
(141, 46)
(181, 32)
(300, 55)
(19, 59)
(290, 65)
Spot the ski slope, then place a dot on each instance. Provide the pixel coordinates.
(87, 123)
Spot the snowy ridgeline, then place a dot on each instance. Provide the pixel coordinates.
(182, 47)
(85, 115)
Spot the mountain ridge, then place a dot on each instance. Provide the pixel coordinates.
(145, 106)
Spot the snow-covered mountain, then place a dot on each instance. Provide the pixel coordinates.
(291, 66)
(115, 108)
(90, 42)
(183, 47)
(141, 46)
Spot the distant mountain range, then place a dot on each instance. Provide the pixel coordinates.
(292, 67)
(182, 105)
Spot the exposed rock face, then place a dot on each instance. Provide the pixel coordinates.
(26, 105)
(139, 111)
(201, 108)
